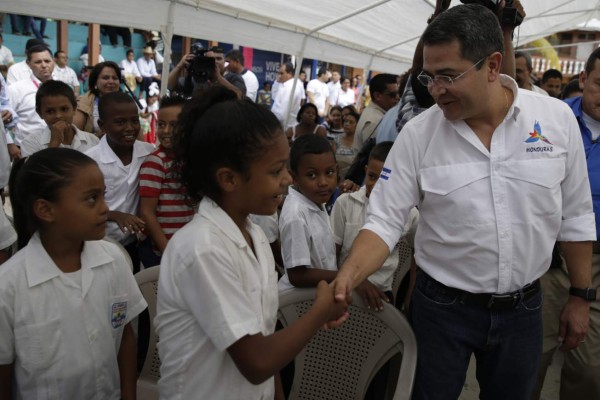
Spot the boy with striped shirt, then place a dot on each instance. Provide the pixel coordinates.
(163, 204)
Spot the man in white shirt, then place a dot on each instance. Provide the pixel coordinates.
(235, 60)
(498, 174)
(21, 70)
(285, 111)
(6, 57)
(85, 57)
(131, 73)
(524, 67)
(64, 73)
(22, 95)
(318, 93)
(334, 86)
(147, 69)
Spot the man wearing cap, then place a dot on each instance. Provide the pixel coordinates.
(147, 69)
(21, 95)
(21, 70)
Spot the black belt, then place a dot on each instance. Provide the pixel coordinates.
(492, 301)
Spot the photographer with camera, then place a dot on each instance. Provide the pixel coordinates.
(203, 68)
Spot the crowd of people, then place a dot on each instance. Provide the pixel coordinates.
(488, 176)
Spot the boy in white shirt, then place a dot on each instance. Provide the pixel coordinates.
(120, 156)
(55, 103)
(348, 217)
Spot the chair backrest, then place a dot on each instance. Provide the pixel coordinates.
(340, 363)
(405, 253)
(147, 386)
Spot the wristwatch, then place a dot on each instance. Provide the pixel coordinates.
(588, 294)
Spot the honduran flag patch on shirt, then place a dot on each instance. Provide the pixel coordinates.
(385, 173)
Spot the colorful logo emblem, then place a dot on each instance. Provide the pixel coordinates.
(537, 134)
(118, 314)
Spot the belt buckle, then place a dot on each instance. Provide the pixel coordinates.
(500, 300)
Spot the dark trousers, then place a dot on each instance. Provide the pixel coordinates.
(507, 344)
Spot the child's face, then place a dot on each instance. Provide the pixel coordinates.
(167, 119)
(316, 177)
(373, 170)
(121, 124)
(151, 100)
(80, 212)
(56, 108)
(269, 178)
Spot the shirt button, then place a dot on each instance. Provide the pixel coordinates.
(92, 337)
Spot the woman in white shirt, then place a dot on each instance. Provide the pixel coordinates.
(347, 96)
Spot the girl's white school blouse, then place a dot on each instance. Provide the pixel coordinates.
(213, 290)
(63, 331)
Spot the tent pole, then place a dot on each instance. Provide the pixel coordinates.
(299, 59)
(167, 37)
(362, 87)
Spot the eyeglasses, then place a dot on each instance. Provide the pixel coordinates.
(443, 80)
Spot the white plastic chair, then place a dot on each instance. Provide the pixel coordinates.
(340, 363)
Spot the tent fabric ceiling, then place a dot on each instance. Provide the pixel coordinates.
(384, 36)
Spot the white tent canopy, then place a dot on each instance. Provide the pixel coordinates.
(378, 33)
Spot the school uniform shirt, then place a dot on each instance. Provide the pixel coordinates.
(21, 95)
(306, 236)
(17, 72)
(39, 140)
(121, 181)
(66, 75)
(63, 331)
(269, 224)
(488, 218)
(348, 217)
(213, 290)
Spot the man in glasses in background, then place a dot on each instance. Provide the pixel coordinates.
(498, 174)
(384, 95)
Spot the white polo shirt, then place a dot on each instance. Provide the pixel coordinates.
(281, 101)
(348, 217)
(213, 290)
(320, 93)
(122, 181)
(306, 236)
(17, 72)
(63, 331)
(147, 68)
(40, 140)
(66, 75)
(489, 219)
(251, 82)
(21, 95)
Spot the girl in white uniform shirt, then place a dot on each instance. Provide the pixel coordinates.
(66, 298)
(217, 291)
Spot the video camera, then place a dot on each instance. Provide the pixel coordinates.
(510, 15)
(202, 68)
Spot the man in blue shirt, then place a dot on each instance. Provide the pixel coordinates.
(580, 375)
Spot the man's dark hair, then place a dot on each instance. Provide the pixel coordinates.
(591, 61)
(378, 83)
(37, 49)
(236, 55)
(570, 88)
(172, 101)
(109, 99)
(34, 42)
(550, 74)
(57, 52)
(129, 51)
(289, 68)
(527, 57)
(322, 71)
(475, 27)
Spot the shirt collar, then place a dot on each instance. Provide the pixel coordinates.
(40, 267)
(107, 155)
(211, 211)
(515, 107)
(295, 194)
(360, 195)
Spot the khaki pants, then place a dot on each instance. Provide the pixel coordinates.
(580, 374)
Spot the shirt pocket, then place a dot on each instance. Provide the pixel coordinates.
(459, 193)
(39, 346)
(536, 184)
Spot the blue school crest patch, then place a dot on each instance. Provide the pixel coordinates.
(118, 314)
